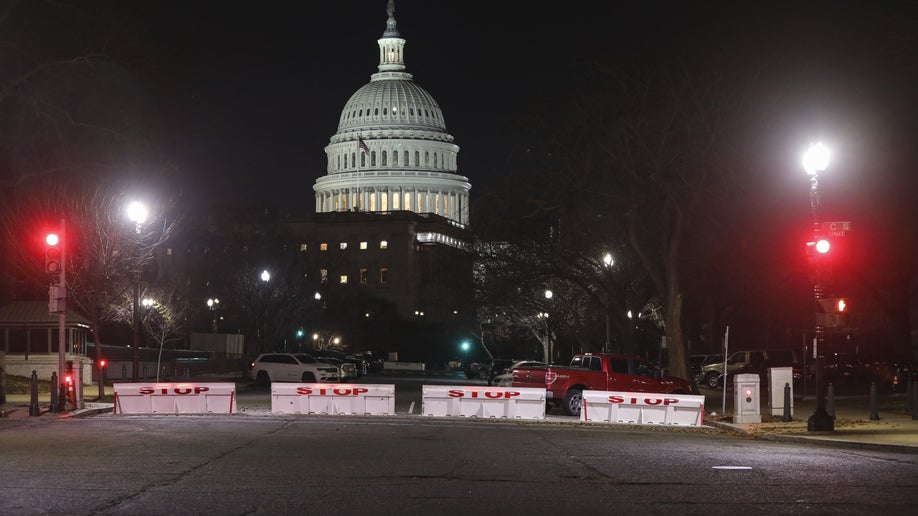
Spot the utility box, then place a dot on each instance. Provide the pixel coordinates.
(778, 377)
(746, 399)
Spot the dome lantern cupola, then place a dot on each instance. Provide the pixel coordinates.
(391, 45)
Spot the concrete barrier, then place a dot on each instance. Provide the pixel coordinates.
(484, 402)
(404, 366)
(642, 408)
(332, 398)
(175, 398)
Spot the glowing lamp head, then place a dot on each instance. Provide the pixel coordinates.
(137, 212)
(816, 158)
(841, 305)
(52, 239)
(823, 246)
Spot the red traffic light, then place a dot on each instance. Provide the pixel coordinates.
(841, 305)
(823, 246)
(52, 239)
(102, 363)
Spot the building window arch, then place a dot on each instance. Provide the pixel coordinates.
(426, 158)
(417, 158)
(394, 158)
(372, 158)
(385, 161)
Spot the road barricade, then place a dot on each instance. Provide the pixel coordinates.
(484, 402)
(175, 398)
(642, 408)
(332, 398)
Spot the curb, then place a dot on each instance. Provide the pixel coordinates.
(833, 443)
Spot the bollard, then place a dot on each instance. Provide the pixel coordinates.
(787, 402)
(144, 372)
(33, 388)
(54, 402)
(62, 398)
(874, 412)
(908, 392)
(123, 372)
(187, 373)
(830, 400)
(914, 405)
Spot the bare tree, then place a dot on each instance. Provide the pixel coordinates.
(104, 250)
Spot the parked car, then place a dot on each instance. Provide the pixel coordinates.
(498, 367)
(374, 362)
(696, 362)
(360, 365)
(292, 367)
(480, 370)
(746, 362)
(346, 370)
(505, 379)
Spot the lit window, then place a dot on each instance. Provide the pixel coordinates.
(169, 252)
(343, 279)
(304, 248)
(363, 276)
(383, 274)
(383, 244)
(323, 275)
(323, 246)
(363, 245)
(343, 245)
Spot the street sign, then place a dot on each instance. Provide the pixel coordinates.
(836, 228)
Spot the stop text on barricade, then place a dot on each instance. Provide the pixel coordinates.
(333, 398)
(175, 398)
(484, 402)
(642, 408)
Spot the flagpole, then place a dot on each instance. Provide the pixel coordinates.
(359, 153)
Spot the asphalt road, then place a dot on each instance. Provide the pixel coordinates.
(264, 464)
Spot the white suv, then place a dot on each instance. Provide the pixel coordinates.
(292, 367)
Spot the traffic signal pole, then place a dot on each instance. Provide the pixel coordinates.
(820, 421)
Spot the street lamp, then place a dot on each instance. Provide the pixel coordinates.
(137, 213)
(815, 160)
(213, 303)
(608, 261)
(265, 277)
(465, 348)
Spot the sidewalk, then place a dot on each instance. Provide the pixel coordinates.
(895, 431)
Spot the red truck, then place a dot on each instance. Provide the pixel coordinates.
(598, 372)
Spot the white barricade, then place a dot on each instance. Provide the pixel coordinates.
(485, 402)
(175, 398)
(642, 408)
(404, 366)
(332, 398)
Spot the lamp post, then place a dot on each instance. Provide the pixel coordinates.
(608, 261)
(136, 213)
(265, 278)
(213, 303)
(815, 160)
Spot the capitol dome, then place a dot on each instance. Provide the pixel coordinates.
(392, 150)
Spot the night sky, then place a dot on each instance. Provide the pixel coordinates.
(245, 95)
